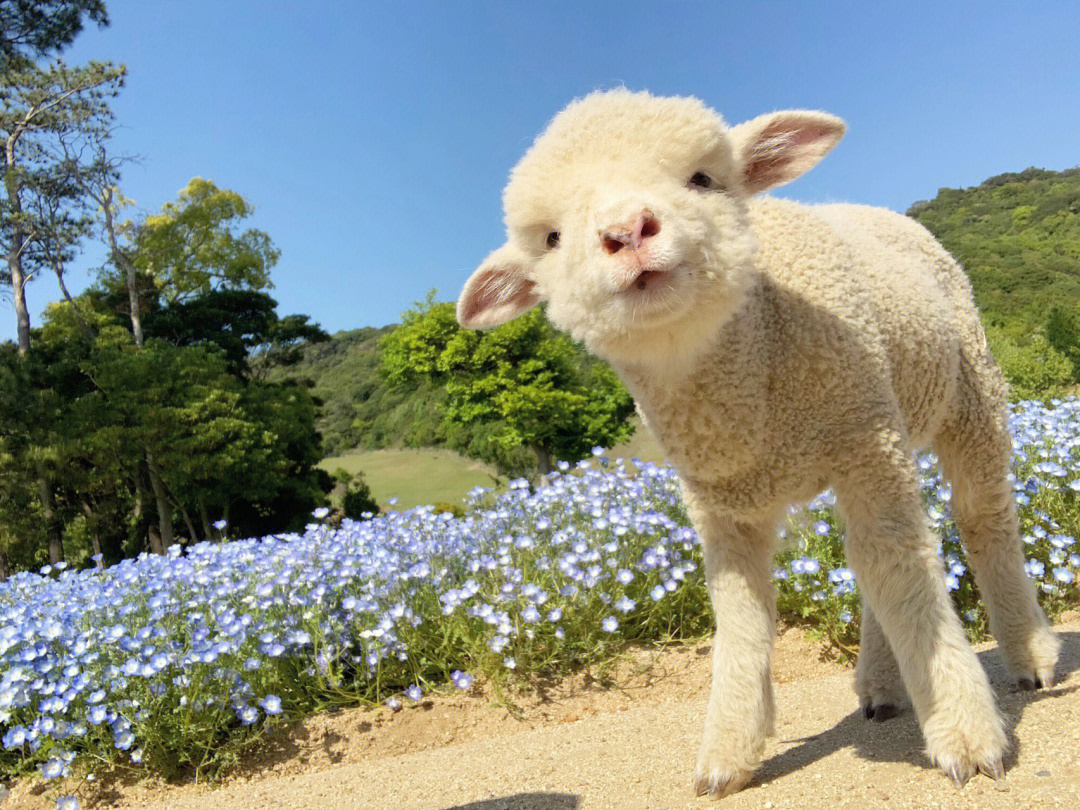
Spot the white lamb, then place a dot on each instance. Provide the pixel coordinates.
(776, 349)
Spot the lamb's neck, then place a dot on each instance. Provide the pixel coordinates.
(732, 357)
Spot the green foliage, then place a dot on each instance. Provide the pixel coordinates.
(356, 501)
(1035, 369)
(33, 28)
(522, 387)
(1018, 238)
(192, 247)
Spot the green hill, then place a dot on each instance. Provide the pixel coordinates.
(1018, 238)
(358, 408)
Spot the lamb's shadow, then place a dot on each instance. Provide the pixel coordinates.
(899, 739)
(524, 801)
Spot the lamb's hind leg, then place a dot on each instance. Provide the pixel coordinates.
(895, 560)
(975, 455)
(877, 676)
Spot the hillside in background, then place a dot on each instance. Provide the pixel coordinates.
(1017, 236)
(358, 408)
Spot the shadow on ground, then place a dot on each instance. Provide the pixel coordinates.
(524, 801)
(899, 740)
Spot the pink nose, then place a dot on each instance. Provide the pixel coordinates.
(615, 239)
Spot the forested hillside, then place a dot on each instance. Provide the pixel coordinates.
(359, 409)
(1018, 237)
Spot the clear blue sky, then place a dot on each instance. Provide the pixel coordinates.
(374, 139)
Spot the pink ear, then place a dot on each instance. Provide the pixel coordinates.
(497, 292)
(776, 148)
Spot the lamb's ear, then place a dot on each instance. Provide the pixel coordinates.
(498, 291)
(776, 148)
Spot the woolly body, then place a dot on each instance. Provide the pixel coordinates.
(776, 349)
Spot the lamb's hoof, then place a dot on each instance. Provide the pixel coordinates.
(959, 775)
(1038, 682)
(881, 712)
(719, 783)
(995, 770)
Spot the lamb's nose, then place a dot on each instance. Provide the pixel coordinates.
(615, 239)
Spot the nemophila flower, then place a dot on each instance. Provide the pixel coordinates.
(393, 704)
(52, 769)
(413, 693)
(271, 704)
(625, 604)
(68, 802)
(462, 680)
(822, 528)
(320, 513)
(610, 624)
(136, 756)
(247, 714)
(123, 740)
(1064, 575)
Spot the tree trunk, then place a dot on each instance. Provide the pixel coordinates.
(95, 532)
(15, 249)
(190, 526)
(543, 459)
(52, 527)
(204, 517)
(156, 546)
(164, 509)
(123, 261)
(5, 565)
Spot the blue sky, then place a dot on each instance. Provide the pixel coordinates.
(374, 139)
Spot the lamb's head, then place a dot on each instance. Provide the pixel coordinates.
(628, 216)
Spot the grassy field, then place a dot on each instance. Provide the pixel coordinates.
(422, 476)
(414, 476)
(641, 445)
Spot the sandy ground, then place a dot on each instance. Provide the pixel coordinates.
(579, 746)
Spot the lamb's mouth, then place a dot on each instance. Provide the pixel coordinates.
(648, 280)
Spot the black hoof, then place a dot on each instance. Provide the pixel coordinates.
(1029, 685)
(886, 711)
(868, 712)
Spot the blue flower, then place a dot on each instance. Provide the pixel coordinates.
(610, 624)
(68, 802)
(413, 693)
(52, 769)
(271, 704)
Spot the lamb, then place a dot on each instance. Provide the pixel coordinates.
(776, 348)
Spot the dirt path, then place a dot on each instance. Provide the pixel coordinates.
(634, 747)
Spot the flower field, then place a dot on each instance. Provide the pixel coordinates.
(177, 663)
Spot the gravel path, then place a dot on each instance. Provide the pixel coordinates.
(640, 756)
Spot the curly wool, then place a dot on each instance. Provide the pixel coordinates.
(776, 349)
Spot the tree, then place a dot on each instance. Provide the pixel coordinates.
(523, 385)
(194, 246)
(357, 502)
(30, 29)
(36, 107)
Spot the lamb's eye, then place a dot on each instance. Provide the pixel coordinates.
(553, 239)
(702, 180)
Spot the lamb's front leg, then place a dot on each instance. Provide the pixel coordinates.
(740, 710)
